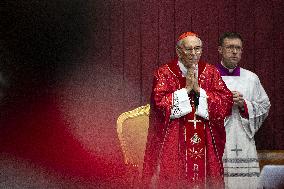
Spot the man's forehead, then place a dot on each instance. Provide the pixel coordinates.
(192, 41)
(232, 40)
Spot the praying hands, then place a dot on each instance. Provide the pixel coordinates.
(192, 81)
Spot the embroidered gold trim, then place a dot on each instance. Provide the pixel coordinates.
(142, 110)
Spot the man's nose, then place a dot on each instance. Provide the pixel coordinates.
(235, 51)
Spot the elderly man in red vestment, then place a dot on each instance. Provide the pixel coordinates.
(186, 136)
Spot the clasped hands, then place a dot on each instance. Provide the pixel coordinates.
(192, 81)
(238, 99)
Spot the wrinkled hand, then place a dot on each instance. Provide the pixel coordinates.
(191, 81)
(238, 99)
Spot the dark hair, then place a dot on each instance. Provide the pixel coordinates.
(230, 35)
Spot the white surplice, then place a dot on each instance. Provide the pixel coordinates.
(241, 167)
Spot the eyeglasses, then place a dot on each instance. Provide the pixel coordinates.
(232, 48)
(197, 50)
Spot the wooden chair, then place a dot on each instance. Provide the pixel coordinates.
(132, 129)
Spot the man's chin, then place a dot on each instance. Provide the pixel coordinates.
(188, 65)
(233, 65)
(191, 63)
(234, 61)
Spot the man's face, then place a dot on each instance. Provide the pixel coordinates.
(190, 51)
(231, 51)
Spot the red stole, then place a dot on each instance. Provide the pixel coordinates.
(194, 147)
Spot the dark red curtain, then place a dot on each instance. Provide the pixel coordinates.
(135, 37)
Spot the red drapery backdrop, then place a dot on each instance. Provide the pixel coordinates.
(135, 37)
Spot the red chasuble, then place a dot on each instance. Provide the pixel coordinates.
(186, 152)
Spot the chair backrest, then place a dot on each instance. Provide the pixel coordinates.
(132, 129)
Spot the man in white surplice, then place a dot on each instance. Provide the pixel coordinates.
(251, 106)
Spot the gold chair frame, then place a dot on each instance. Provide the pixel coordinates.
(142, 110)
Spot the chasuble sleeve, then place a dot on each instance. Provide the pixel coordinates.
(220, 102)
(258, 108)
(220, 99)
(173, 102)
(181, 104)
